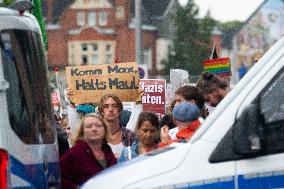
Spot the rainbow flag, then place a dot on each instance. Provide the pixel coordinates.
(219, 66)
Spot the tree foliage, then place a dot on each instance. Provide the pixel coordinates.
(192, 42)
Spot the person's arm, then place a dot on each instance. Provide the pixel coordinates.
(165, 137)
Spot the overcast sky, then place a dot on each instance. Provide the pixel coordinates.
(227, 10)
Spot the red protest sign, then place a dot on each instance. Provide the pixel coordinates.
(153, 98)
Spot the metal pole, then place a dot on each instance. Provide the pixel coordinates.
(138, 28)
(58, 90)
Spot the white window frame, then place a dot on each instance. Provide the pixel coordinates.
(103, 18)
(92, 19)
(147, 57)
(108, 58)
(81, 16)
(97, 59)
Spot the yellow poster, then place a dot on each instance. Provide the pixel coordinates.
(89, 83)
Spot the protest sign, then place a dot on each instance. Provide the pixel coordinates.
(89, 83)
(219, 66)
(153, 98)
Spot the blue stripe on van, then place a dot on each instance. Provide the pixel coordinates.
(272, 181)
(34, 173)
(217, 185)
(267, 182)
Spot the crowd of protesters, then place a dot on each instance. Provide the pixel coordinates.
(94, 137)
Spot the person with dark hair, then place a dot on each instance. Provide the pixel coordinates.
(185, 117)
(187, 93)
(167, 120)
(119, 137)
(213, 88)
(147, 130)
(124, 117)
(191, 94)
(62, 136)
(90, 155)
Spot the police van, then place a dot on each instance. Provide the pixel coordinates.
(28, 149)
(240, 145)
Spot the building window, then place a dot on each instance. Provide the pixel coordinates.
(81, 18)
(108, 47)
(92, 19)
(95, 59)
(147, 57)
(95, 47)
(119, 13)
(108, 59)
(84, 60)
(103, 18)
(84, 47)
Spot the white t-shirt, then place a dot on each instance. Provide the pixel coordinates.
(117, 149)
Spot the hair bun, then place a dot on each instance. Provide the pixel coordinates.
(207, 76)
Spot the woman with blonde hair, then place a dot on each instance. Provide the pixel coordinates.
(90, 154)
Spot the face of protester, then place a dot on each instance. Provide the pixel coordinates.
(93, 130)
(179, 99)
(110, 110)
(148, 133)
(68, 131)
(214, 98)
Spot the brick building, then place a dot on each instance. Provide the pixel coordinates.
(88, 32)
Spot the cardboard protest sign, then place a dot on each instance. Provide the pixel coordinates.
(90, 83)
(219, 66)
(153, 98)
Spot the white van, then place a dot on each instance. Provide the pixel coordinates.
(240, 145)
(28, 149)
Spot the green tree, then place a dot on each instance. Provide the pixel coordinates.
(6, 3)
(192, 42)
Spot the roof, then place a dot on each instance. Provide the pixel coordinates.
(151, 9)
(59, 7)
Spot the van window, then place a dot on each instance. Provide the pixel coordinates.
(271, 108)
(272, 101)
(28, 97)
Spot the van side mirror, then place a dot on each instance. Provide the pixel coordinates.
(248, 132)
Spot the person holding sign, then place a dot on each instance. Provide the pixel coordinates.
(119, 137)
